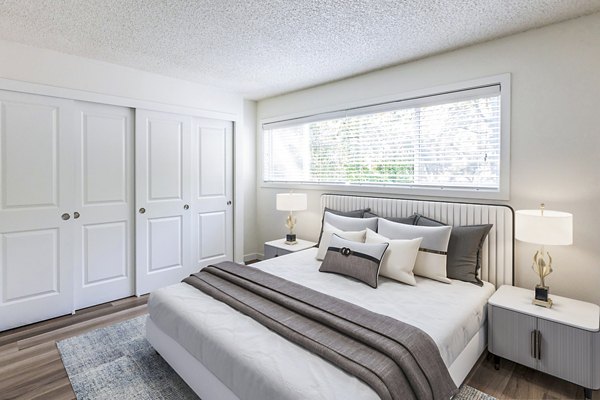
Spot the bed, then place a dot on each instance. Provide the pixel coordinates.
(223, 354)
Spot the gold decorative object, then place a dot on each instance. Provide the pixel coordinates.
(290, 223)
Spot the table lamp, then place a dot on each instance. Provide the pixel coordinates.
(291, 202)
(543, 227)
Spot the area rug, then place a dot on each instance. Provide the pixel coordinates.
(117, 362)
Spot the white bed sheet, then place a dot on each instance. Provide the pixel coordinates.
(255, 362)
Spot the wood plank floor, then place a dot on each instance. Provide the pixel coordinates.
(31, 367)
(30, 364)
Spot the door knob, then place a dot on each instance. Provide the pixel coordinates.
(76, 215)
(186, 207)
(65, 216)
(229, 203)
(142, 210)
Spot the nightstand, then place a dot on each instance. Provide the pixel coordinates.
(276, 248)
(563, 341)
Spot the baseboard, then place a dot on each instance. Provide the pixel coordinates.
(253, 257)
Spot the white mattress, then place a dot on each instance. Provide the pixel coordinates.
(256, 363)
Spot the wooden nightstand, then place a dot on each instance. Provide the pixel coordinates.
(563, 341)
(276, 248)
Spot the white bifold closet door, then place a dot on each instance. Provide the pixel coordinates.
(183, 196)
(103, 216)
(37, 160)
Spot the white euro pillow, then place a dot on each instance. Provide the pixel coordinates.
(433, 253)
(328, 230)
(349, 223)
(399, 258)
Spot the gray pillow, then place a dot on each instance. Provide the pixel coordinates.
(354, 259)
(403, 220)
(464, 249)
(352, 214)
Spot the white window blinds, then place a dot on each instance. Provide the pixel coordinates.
(450, 140)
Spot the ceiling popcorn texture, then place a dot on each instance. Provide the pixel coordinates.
(269, 47)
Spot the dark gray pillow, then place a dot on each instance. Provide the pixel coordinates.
(403, 220)
(352, 214)
(354, 259)
(426, 221)
(464, 249)
(464, 252)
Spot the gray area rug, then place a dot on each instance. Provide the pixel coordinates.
(117, 362)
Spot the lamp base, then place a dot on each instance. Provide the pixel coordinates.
(541, 296)
(290, 238)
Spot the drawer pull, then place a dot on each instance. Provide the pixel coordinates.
(533, 344)
(539, 344)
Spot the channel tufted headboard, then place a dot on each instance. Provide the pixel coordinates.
(498, 249)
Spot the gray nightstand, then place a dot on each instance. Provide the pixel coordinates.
(276, 248)
(563, 341)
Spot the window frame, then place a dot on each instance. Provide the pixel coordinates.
(503, 192)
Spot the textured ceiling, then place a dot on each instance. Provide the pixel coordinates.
(265, 48)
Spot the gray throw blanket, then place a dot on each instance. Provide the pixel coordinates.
(398, 360)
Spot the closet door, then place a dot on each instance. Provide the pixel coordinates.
(103, 217)
(163, 194)
(36, 208)
(212, 191)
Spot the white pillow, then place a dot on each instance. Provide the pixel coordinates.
(431, 260)
(349, 223)
(399, 258)
(328, 230)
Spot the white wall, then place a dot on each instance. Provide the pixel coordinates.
(555, 134)
(48, 67)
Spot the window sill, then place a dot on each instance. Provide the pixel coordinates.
(396, 190)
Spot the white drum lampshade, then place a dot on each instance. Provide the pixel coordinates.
(544, 227)
(291, 201)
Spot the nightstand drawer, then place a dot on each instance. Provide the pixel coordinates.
(271, 252)
(276, 248)
(565, 353)
(509, 335)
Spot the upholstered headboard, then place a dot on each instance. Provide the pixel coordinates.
(498, 249)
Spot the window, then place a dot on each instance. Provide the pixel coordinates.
(448, 142)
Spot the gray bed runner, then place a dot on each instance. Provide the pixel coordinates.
(398, 360)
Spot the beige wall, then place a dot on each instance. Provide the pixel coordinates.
(555, 135)
(251, 248)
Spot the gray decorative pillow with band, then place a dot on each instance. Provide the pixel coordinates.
(354, 259)
(431, 259)
(464, 249)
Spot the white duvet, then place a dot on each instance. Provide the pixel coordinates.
(256, 363)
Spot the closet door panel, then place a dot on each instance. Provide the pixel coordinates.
(166, 243)
(165, 156)
(30, 155)
(30, 274)
(36, 189)
(106, 158)
(163, 194)
(213, 189)
(105, 253)
(104, 202)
